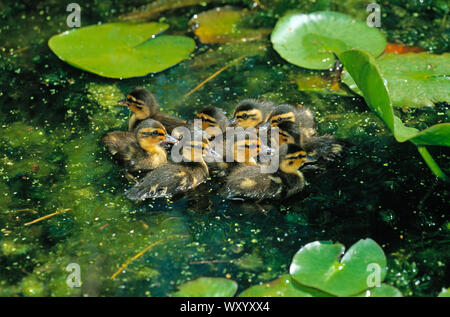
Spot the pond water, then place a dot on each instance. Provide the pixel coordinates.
(53, 116)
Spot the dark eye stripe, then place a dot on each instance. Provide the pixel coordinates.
(207, 120)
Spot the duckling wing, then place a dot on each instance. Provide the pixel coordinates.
(118, 141)
(167, 181)
(325, 148)
(248, 182)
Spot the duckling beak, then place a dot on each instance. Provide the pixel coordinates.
(267, 150)
(310, 159)
(232, 121)
(170, 139)
(213, 153)
(265, 126)
(122, 102)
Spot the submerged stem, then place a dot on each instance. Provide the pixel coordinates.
(434, 167)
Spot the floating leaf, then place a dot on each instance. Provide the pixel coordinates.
(383, 290)
(444, 293)
(414, 79)
(309, 40)
(224, 25)
(315, 82)
(121, 50)
(284, 286)
(317, 265)
(402, 49)
(207, 287)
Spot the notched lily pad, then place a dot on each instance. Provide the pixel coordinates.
(383, 290)
(413, 79)
(317, 265)
(309, 40)
(283, 286)
(224, 25)
(121, 50)
(207, 287)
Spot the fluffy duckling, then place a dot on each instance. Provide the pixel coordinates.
(324, 148)
(302, 116)
(249, 182)
(140, 150)
(175, 178)
(144, 105)
(214, 121)
(251, 113)
(238, 150)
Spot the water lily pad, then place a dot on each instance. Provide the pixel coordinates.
(383, 290)
(121, 50)
(207, 287)
(311, 81)
(283, 286)
(444, 293)
(309, 40)
(224, 25)
(414, 79)
(317, 265)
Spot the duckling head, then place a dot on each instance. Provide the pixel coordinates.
(150, 133)
(248, 113)
(293, 158)
(141, 102)
(195, 151)
(248, 147)
(288, 132)
(281, 113)
(214, 118)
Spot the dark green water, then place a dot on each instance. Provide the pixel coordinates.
(53, 115)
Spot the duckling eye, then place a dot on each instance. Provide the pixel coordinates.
(279, 119)
(244, 116)
(155, 132)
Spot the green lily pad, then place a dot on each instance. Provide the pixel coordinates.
(121, 50)
(283, 286)
(383, 290)
(309, 40)
(414, 79)
(444, 293)
(317, 265)
(207, 287)
(224, 25)
(312, 81)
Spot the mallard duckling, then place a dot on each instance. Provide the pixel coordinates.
(236, 150)
(249, 182)
(175, 178)
(214, 121)
(302, 116)
(251, 113)
(144, 105)
(324, 148)
(140, 150)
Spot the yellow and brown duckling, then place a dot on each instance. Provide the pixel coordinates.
(214, 121)
(324, 148)
(236, 150)
(249, 182)
(140, 150)
(251, 113)
(175, 178)
(144, 105)
(302, 116)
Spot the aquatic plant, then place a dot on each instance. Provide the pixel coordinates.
(295, 39)
(317, 270)
(121, 50)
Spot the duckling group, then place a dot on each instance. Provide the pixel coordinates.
(287, 132)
